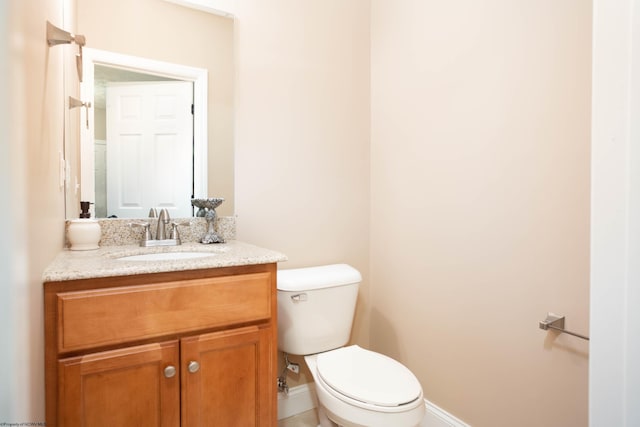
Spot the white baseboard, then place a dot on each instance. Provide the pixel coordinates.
(438, 417)
(302, 398)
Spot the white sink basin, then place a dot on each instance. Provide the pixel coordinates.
(166, 256)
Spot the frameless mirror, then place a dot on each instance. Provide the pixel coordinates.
(133, 59)
(144, 142)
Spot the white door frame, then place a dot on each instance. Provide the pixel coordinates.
(614, 361)
(199, 77)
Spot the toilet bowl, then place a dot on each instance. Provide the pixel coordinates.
(358, 388)
(355, 387)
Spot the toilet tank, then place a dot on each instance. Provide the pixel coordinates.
(316, 307)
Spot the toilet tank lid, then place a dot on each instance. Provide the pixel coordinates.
(310, 278)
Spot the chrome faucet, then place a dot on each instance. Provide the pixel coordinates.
(163, 220)
(161, 230)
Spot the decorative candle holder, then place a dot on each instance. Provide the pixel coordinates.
(207, 209)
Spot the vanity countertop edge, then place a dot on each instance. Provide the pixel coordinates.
(105, 262)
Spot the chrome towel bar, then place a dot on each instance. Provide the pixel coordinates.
(557, 323)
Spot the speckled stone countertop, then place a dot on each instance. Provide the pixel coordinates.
(104, 262)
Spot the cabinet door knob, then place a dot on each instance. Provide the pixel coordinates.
(193, 366)
(170, 371)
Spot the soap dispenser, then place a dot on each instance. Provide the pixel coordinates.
(84, 233)
(84, 209)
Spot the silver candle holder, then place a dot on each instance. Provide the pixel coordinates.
(207, 210)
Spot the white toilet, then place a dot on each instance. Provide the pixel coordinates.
(355, 387)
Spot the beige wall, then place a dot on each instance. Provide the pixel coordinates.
(6, 334)
(36, 202)
(480, 168)
(302, 134)
(163, 31)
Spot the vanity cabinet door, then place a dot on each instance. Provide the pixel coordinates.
(133, 386)
(226, 379)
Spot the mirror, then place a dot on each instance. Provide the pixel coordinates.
(144, 143)
(157, 40)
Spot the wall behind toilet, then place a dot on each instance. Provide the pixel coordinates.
(302, 134)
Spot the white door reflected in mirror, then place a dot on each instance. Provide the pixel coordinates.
(139, 185)
(150, 134)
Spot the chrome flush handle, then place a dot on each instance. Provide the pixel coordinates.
(299, 297)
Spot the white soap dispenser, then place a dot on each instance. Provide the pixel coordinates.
(84, 233)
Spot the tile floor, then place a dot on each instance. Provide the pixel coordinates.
(310, 419)
(305, 419)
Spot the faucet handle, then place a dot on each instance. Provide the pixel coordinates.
(174, 229)
(146, 229)
(153, 213)
(175, 235)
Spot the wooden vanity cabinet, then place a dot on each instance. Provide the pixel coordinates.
(191, 348)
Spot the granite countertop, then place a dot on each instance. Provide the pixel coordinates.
(104, 262)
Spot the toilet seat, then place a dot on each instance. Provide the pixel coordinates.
(370, 379)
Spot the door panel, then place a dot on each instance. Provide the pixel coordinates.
(124, 387)
(230, 389)
(149, 148)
